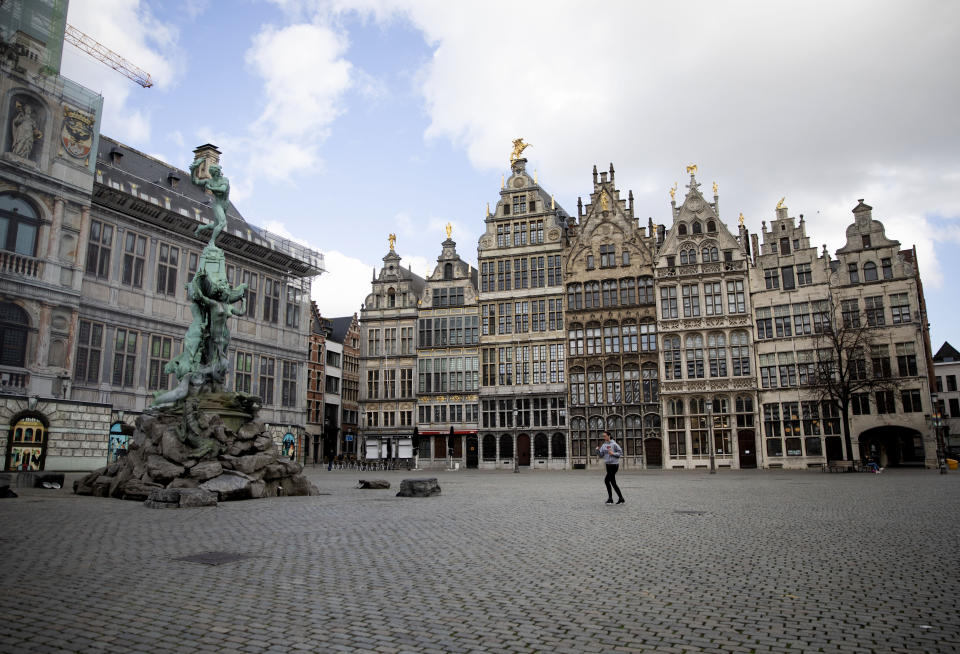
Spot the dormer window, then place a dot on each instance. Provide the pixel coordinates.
(448, 271)
(172, 179)
(115, 156)
(711, 227)
(697, 228)
(866, 241)
(869, 272)
(784, 246)
(391, 298)
(682, 229)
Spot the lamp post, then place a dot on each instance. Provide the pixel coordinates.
(938, 432)
(713, 462)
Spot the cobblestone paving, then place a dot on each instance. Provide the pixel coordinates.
(745, 561)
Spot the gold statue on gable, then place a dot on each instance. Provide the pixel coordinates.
(603, 201)
(715, 187)
(780, 203)
(740, 220)
(673, 191)
(518, 147)
(449, 230)
(692, 168)
(393, 240)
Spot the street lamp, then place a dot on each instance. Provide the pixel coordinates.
(938, 431)
(713, 462)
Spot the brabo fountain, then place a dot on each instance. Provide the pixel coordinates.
(198, 443)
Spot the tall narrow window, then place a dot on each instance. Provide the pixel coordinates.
(125, 357)
(243, 372)
(134, 254)
(267, 380)
(288, 395)
(161, 351)
(271, 300)
(14, 326)
(18, 225)
(168, 263)
(89, 349)
(98, 249)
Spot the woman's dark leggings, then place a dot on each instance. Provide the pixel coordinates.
(611, 480)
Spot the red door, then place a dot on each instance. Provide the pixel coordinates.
(523, 449)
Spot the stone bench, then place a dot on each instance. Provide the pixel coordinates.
(419, 487)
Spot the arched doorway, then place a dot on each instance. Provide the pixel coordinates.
(892, 446)
(119, 441)
(653, 452)
(473, 451)
(523, 449)
(27, 444)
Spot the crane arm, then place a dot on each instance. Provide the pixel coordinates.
(107, 56)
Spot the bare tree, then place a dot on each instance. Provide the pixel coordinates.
(843, 341)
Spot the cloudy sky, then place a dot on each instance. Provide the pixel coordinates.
(346, 120)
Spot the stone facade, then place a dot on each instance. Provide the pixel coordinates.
(708, 388)
(523, 391)
(319, 327)
(448, 372)
(610, 316)
(92, 272)
(388, 360)
(946, 364)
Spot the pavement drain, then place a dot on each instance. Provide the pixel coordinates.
(690, 512)
(214, 558)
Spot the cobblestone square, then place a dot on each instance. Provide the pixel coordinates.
(744, 561)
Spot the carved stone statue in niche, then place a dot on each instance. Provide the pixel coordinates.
(24, 129)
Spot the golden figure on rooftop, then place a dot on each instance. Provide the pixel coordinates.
(780, 203)
(518, 147)
(715, 187)
(603, 201)
(692, 168)
(740, 220)
(449, 229)
(673, 191)
(393, 240)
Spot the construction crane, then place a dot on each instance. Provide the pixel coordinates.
(98, 51)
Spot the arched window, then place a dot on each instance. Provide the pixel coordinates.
(540, 450)
(577, 387)
(717, 354)
(721, 426)
(714, 254)
(676, 428)
(575, 336)
(489, 447)
(506, 446)
(448, 271)
(14, 324)
(594, 386)
(699, 441)
(578, 437)
(631, 384)
(596, 425)
(672, 363)
(711, 227)
(632, 438)
(591, 293)
(18, 225)
(744, 410)
(682, 229)
(739, 354)
(869, 272)
(391, 298)
(628, 291)
(694, 347)
(574, 297)
(615, 427)
(697, 227)
(651, 425)
(28, 445)
(611, 376)
(628, 331)
(611, 337)
(609, 287)
(648, 337)
(558, 446)
(593, 338)
(651, 385)
(645, 290)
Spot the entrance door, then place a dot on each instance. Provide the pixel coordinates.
(456, 442)
(473, 451)
(523, 450)
(748, 449)
(653, 452)
(834, 448)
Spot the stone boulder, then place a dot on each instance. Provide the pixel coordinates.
(231, 485)
(252, 462)
(101, 486)
(138, 490)
(184, 482)
(173, 448)
(206, 470)
(84, 486)
(373, 483)
(419, 487)
(162, 470)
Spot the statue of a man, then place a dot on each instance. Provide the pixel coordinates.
(220, 187)
(25, 131)
(218, 303)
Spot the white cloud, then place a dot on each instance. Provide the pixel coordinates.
(342, 289)
(128, 28)
(822, 102)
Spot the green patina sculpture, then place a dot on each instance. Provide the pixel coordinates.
(203, 363)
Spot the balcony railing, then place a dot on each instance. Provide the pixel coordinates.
(14, 382)
(20, 265)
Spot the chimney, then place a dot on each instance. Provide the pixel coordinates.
(210, 156)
